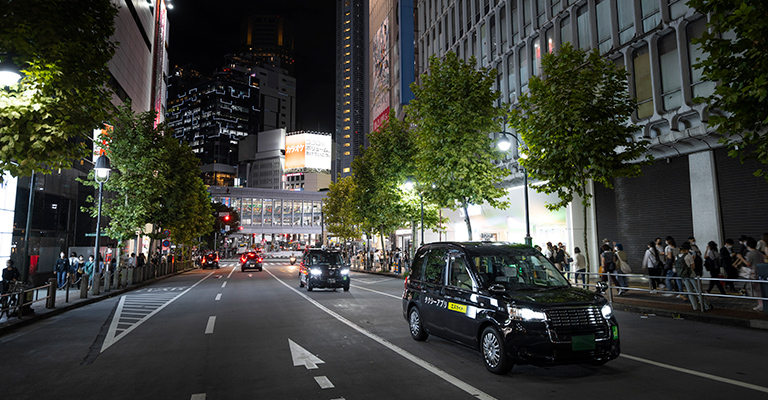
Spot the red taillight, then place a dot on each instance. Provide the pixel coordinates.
(260, 259)
(203, 260)
(405, 285)
(242, 258)
(217, 258)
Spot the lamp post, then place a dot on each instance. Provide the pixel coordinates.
(101, 174)
(9, 72)
(504, 145)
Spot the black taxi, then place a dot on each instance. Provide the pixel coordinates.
(323, 269)
(510, 303)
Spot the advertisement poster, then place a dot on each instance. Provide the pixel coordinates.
(307, 150)
(380, 87)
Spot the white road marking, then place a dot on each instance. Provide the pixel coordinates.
(377, 292)
(699, 374)
(198, 396)
(224, 284)
(112, 335)
(250, 275)
(218, 297)
(372, 281)
(301, 356)
(471, 390)
(233, 270)
(324, 382)
(211, 323)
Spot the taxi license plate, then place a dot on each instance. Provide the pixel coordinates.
(331, 280)
(585, 342)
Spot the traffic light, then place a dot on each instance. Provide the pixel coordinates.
(227, 218)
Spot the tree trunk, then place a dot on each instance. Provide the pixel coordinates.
(586, 244)
(383, 249)
(464, 205)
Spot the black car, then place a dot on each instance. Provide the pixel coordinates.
(510, 303)
(323, 269)
(211, 259)
(251, 259)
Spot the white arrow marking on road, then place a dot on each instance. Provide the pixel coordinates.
(324, 382)
(301, 356)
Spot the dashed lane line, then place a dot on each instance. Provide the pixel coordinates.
(218, 297)
(210, 325)
(471, 390)
(377, 292)
(324, 382)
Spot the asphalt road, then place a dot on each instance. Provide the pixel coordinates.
(226, 334)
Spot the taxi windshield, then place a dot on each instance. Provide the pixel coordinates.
(325, 258)
(515, 269)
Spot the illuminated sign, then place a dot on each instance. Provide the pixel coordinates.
(308, 150)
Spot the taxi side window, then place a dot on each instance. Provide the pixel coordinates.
(459, 274)
(434, 267)
(417, 267)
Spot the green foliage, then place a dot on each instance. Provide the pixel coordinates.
(452, 115)
(574, 124)
(214, 231)
(737, 44)
(63, 48)
(340, 211)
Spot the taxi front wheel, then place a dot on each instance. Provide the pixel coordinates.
(415, 325)
(494, 351)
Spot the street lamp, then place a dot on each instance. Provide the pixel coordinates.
(504, 144)
(101, 173)
(9, 72)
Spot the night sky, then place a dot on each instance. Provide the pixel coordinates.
(203, 31)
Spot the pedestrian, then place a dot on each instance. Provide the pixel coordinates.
(10, 274)
(684, 269)
(140, 260)
(62, 270)
(549, 254)
(698, 260)
(609, 262)
(652, 264)
(580, 266)
(90, 266)
(132, 261)
(670, 254)
(662, 259)
(762, 246)
(726, 263)
(712, 264)
(559, 256)
(622, 268)
(749, 270)
(80, 270)
(72, 267)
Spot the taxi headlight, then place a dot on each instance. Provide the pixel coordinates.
(607, 311)
(525, 314)
(315, 271)
(345, 271)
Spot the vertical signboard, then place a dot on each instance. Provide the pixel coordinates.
(7, 212)
(407, 51)
(380, 87)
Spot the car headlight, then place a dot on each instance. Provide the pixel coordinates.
(525, 314)
(607, 311)
(315, 271)
(345, 271)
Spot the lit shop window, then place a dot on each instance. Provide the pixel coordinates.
(346, 170)
(346, 153)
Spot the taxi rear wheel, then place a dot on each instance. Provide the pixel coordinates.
(494, 351)
(416, 326)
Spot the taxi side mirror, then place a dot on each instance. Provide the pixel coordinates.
(601, 287)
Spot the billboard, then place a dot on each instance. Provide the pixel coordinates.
(308, 150)
(380, 89)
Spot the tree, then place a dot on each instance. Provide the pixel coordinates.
(574, 124)
(737, 47)
(452, 115)
(63, 48)
(340, 212)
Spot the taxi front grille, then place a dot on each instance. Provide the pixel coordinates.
(567, 322)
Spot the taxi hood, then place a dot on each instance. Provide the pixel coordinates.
(553, 296)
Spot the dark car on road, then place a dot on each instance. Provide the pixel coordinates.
(323, 269)
(210, 259)
(510, 303)
(251, 259)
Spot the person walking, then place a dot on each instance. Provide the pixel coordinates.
(610, 263)
(580, 266)
(726, 263)
(90, 267)
(79, 271)
(72, 268)
(670, 254)
(712, 264)
(559, 256)
(10, 274)
(662, 260)
(698, 261)
(684, 269)
(652, 264)
(62, 270)
(749, 270)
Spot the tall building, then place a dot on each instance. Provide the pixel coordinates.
(351, 92)
(269, 39)
(692, 188)
(242, 98)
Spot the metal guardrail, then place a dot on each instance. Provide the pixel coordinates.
(19, 296)
(698, 284)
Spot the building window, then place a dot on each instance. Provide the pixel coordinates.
(483, 44)
(582, 27)
(346, 136)
(493, 37)
(511, 77)
(346, 170)
(550, 37)
(565, 30)
(603, 13)
(541, 13)
(699, 88)
(557, 6)
(346, 144)
(669, 65)
(346, 153)
(626, 19)
(522, 63)
(536, 56)
(503, 28)
(527, 28)
(642, 82)
(514, 23)
(651, 14)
